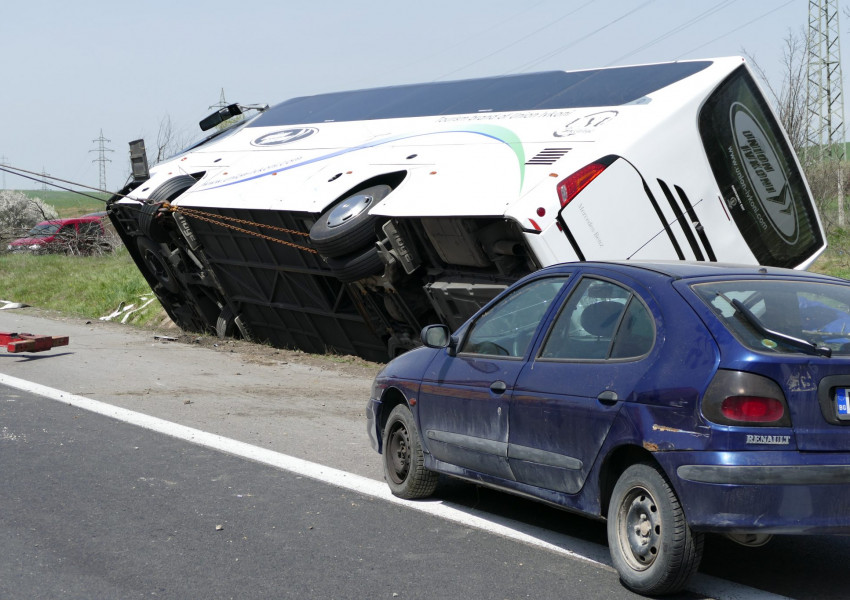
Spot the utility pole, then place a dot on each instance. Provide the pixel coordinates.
(101, 158)
(824, 98)
(44, 177)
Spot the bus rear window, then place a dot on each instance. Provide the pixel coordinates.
(757, 174)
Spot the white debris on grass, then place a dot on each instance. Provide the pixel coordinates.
(127, 309)
(9, 304)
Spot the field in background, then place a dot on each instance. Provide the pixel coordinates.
(70, 204)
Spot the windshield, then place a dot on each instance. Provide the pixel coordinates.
(44, 230)
(816, 312)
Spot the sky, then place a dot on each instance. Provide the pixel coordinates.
(71, 70)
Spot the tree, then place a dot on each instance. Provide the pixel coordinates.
(18, 214)
(168, 141)
(789, 99)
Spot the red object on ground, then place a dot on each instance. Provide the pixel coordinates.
(27, 342)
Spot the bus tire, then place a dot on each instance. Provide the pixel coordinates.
(157, 265)
(347, 226)
(149, 225)
(356, 266)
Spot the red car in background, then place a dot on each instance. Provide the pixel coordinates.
(63, 235)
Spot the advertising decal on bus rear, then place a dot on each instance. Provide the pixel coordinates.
(764, 173)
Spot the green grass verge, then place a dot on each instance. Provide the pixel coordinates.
(83, 286)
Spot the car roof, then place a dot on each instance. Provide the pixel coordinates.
(675, 269)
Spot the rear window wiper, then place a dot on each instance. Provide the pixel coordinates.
(795, 342)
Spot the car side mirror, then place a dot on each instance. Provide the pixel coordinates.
(439, 336)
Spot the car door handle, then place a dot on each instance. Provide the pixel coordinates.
(608, 397)
(498, 387)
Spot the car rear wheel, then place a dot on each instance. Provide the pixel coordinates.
(652, 547)
(403, 458)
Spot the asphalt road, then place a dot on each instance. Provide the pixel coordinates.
(92, 507)
(96, 508)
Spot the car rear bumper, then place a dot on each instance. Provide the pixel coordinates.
(762, 492)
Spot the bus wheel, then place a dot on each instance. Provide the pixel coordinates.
(356, 266)
(347, 226)
(157, 264)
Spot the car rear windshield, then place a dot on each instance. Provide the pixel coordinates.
(758, 177)
(532, 91)
(816, 312)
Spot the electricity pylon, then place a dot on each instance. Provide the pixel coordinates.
(824, 98)
(101, 157)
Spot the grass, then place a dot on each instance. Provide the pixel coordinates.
(83, 286)
(836, 260)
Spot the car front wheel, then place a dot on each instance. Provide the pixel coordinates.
(652, 547)
(404, 459)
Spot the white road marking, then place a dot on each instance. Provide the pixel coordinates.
(711, 587)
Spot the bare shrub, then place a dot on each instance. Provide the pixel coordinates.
(19, 213)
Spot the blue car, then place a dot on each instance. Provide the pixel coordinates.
(672, 399)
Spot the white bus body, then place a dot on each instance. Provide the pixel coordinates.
(346, 221)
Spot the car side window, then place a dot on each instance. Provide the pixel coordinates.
(508, 327)
(600, 320)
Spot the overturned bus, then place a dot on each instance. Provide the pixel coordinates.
(344, 222)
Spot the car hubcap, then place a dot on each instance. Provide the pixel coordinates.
(349, 209)
(398, 452)
(640, 529)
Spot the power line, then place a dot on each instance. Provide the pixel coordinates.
(681, 27)
(466, 40)
(514, 43)
(3, 160)
(557, 51)
(747, 24)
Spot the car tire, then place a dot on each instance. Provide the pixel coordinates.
(403, 458)
(347, 226)
(157, 265)
(168, 191)
(652, 547)
(356, 266)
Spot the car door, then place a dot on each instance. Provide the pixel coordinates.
(464, 398)
(566, 398)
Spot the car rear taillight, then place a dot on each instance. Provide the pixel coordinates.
(570, 187)
(752, 409)
(741, 398)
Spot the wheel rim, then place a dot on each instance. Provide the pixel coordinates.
(348, 210)
(157, 267)
(639, 524)
(398, 453)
